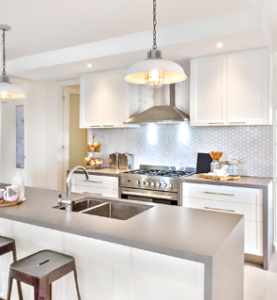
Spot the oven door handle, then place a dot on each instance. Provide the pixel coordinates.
(147, 195)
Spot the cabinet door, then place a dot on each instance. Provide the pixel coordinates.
(116, 98)
(208, 91)
(248, 88)
(91, 100)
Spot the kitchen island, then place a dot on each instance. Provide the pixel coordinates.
(164, 252)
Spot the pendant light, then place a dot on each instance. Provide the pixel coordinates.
(8, 90)
(155, 71)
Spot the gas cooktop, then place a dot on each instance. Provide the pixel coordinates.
(162, 173)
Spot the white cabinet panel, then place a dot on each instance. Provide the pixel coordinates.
(91, 95)
(107, 100)
(248, 87)
(228, 199)
(208, 90)
(94, 190)
(231, 89)
(107, 182)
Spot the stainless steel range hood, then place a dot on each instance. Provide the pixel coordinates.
(163, 111)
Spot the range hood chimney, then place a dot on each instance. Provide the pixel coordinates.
(163, 111)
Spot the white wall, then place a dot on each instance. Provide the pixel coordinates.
(43, 135)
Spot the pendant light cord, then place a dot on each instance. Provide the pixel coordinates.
(154, 25)
(4, 53)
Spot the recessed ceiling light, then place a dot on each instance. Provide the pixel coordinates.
(219, 45)
(89, 65)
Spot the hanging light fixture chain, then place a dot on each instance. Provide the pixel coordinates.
(4, 53)
(154, 25)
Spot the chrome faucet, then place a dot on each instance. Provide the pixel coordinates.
(68, 202)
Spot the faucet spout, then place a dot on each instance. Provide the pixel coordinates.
(68, 202)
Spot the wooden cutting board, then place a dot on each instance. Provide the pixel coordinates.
(218, 178)
(10, 203)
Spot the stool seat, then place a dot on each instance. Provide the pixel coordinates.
(40, 270)
(42, 264)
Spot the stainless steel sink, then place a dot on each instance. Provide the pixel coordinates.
(82, 205)
(118, 211)
(114, 210)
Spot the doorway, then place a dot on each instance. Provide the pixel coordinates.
(75, 138)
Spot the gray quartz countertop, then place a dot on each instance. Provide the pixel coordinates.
(175, 231)
(244, 181)
(102, 172)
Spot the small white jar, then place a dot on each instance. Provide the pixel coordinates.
(18, 180)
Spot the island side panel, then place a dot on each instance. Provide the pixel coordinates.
(228, 266)
(106, 271)
(268, 239)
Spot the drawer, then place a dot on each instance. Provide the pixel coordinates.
(94, 190)
(253, 238)
(95, 181)
(251, 212)
(223, 193)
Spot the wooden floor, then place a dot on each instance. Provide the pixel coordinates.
(260, 284)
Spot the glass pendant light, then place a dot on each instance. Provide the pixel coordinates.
(155, 71)
(8, 90)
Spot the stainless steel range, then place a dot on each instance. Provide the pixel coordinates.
(156, 184)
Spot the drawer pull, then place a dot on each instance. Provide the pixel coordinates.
(93, 181)
(236, 122)
(221, 194)
(218, 123)
(220, 209)
(92, 193)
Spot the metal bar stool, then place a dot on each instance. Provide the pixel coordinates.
(8, 245)
(40, 270)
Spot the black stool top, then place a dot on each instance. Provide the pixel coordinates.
(41, 263)
(4, 241)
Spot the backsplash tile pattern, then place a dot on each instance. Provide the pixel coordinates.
(178, 144)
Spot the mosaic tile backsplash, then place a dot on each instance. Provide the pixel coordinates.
(178, 144)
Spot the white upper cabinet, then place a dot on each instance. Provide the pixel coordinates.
(107, 100)
(208, 90)
(231, 89)
(248, 87)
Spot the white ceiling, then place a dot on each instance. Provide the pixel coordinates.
(41, 26)
(38, 46)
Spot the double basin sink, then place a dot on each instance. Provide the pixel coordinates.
(114, 210)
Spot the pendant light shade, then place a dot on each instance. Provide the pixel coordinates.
(155, 71)
(8, 90)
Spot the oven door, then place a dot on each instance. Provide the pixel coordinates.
(169, 198)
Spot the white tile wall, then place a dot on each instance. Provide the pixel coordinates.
(178, 144)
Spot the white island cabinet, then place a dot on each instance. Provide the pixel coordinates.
(107, 100)
(231, 89)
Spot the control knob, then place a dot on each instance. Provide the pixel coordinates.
(158, 184)
(146, 183)
(137, 182)
(152, 183)
(171, 185)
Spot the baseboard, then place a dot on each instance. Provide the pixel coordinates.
(259, 260)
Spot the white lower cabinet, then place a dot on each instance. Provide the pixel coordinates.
(228, 199)
(106, 186)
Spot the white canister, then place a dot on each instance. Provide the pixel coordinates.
(19, 181)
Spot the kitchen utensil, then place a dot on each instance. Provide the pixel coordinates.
(114, 160)
(11, 193)
(126, 161)
(219, 178)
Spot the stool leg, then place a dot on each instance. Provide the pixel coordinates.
(18, 282)
(10, 287)
(43, 290)
(76, 281)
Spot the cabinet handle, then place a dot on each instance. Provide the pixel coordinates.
(221, 194)
(95, 126)
(107, 125)
(92, 194)
(216, 123)
(220, 209)
(93, 181)
(236, 122)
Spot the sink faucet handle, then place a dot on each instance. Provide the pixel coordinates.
(60, 198)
